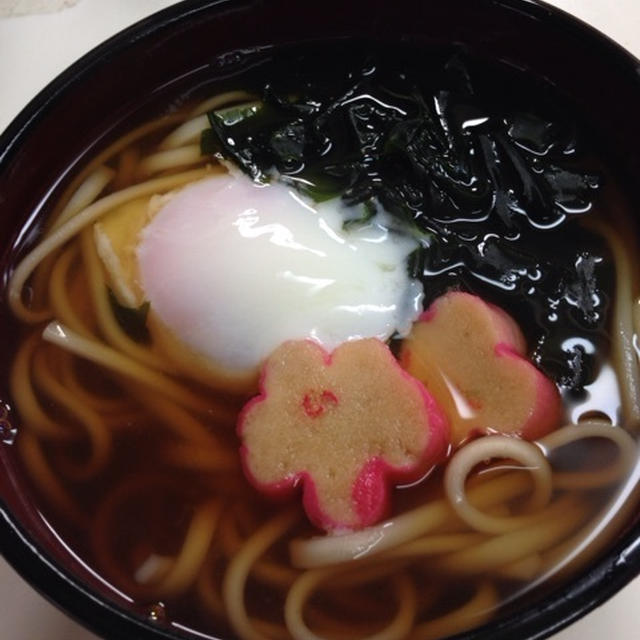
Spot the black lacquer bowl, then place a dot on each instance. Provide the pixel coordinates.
(112, 88)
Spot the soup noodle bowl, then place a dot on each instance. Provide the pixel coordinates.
(503, 516)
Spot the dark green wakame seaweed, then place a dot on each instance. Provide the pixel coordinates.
(133, 321)
(487, 168)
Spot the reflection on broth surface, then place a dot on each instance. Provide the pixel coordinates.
(472, 238)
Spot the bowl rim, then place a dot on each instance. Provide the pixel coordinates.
(556, 610)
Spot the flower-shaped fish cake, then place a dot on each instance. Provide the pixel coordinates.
(472, 356)
(345, 425)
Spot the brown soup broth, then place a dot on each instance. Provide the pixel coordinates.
(128, 521)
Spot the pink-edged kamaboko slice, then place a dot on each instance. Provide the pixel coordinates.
(345, 425)
(471, 356)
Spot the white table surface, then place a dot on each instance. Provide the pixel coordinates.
(34, 49)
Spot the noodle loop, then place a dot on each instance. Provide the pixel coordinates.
(482, 450)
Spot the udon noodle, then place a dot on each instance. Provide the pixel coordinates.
(113, 437)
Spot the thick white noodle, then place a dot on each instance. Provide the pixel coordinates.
(185, 568)
(223, 99)
(85, 194)
(320, 551)
(483, 450)
(622, 334)
(235, 578)
(627, 454)
(304, 587)
(113, 360)
(75, 224)
(171, 159)
(474, 612)
(187, 133)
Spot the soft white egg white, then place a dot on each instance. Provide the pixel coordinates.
(233, 269)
